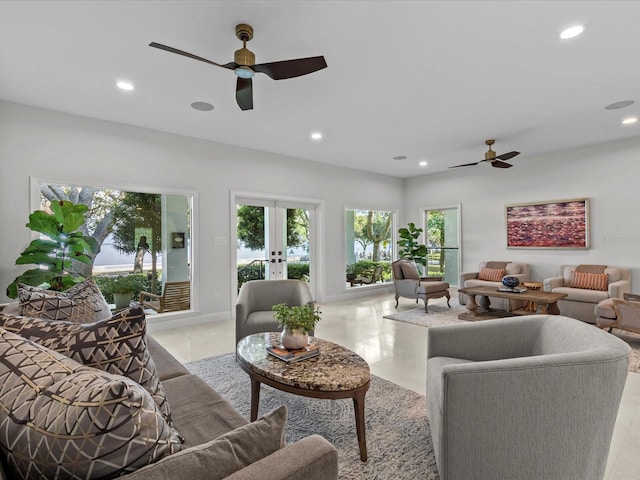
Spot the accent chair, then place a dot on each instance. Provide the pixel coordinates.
(409, 284)
(255, 299)
(528, 398)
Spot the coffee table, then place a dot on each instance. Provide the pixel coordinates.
(545, 303)
(336, 373)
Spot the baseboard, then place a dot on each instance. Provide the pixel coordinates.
(168, 321)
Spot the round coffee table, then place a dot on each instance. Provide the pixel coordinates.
(336, 373)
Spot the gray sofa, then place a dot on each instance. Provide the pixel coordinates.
(527, 398)
(201, 415)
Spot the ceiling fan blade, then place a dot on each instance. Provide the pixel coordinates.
(507, 156)
(466, 164)
(230, 66)
(291, 68)
(499, 164)
(244, 93)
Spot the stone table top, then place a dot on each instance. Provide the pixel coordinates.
(335, 369)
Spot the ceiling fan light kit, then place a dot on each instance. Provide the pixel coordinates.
(245, 67)
(490, 156)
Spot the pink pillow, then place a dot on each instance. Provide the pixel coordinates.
(590, 281)
(491, 274)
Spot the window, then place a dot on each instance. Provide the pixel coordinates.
(369, 247)
(143, 236)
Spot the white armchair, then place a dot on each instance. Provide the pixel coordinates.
(581, 302)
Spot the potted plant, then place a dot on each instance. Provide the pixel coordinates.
(409, 247)
(122, 287)
(351, 274)
(57, 255)
(296, 321)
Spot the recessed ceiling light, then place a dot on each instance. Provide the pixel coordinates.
(400, 157)
(316, 136)
(122, 85)
(630, 120)
(202, 106)
(617, 105)
(423, 163)
(571, 32)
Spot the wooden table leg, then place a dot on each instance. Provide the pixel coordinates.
(255, 398)
(472, 306)
(358, 407)
(553, 309)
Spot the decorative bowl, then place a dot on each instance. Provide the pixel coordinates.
(510, 282)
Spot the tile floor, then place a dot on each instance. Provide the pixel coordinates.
(396, 351)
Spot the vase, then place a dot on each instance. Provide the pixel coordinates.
(510, 282)
(294, 339)
(122, 300)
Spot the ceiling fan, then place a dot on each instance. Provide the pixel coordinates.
(245, 68)
(490, 156)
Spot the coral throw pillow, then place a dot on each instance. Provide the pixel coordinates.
(491, 274)
(589, 281)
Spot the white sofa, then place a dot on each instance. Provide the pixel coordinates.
(512, 269)
(581, 303)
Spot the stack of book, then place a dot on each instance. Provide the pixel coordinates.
(512, 290)
(311, 350)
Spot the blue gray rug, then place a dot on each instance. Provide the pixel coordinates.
(399, 443)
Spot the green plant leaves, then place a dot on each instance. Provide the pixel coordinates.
(57, 254)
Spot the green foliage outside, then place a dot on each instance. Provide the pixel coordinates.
(295, 271)
(132, 282)
(296, 317)
(365, 268)
(251, 227)
(59, 255)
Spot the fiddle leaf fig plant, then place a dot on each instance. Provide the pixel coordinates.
(409, 247)
(57, 254)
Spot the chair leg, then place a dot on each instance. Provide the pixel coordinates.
(397, 301)
(448, 298)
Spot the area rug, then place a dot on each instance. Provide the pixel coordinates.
(399, 442)
(440, 314)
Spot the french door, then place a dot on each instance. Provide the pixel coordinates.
(274, 240)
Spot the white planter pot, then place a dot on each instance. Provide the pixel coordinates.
(294, 339)
(122, 300)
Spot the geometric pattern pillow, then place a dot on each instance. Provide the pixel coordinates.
(228, 453)
(491, 274)
(60, 419)
(82, 303)
(117, 345)
(590, 281)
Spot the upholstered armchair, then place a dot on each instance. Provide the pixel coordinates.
(490, 274)
(527, 398)
(255, 299)
(408, 284)
(619, 313)
(586, 286)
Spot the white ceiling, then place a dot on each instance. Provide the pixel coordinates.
(427, 79)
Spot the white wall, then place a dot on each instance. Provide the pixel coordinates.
(44, 143)
(608, 174)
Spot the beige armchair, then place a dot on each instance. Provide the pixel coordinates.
(481, 278)
(581, 302)
(409, 284)
(619, 313)
(255, 299)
